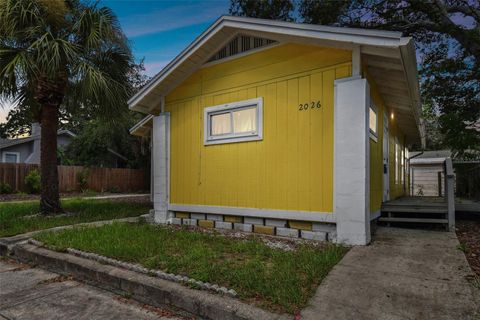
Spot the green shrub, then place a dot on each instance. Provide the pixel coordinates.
(114, 189)
(5, 188)
(32, 182)
(82, 180)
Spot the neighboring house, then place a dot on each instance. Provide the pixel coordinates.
(27, 150)
(278, 127)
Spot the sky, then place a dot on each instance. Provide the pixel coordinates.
(158, 30)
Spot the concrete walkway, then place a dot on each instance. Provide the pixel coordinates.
(29, 294)
(404, 274)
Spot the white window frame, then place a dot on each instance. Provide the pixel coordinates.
(373, 135)
(5, 153)
(210, 139)
(397, 161)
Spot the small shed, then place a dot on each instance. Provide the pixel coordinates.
(427, 177)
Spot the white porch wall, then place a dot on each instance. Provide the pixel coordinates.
(351, 161)
(160, 167)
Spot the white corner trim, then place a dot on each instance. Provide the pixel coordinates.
(351, 176)
(313, 216)
(4, 155)
(231, 138)
(356, 61)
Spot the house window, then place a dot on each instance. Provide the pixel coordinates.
(373, 122)
(11, 157)
(234, 122)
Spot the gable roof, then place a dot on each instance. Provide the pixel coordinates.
(13, 142)
(389, 58)
(5, 143)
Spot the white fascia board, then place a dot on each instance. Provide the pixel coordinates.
(409, 62)
(335, 34)
(305, 26)
(181, 57)
(141, 123)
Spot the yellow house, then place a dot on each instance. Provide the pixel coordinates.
(282, 128)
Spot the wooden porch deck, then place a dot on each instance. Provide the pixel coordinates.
(424, 210)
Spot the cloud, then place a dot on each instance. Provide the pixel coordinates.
(184, 15)
(153, 67)
(5, 107)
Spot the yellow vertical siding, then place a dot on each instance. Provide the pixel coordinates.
(292, 167)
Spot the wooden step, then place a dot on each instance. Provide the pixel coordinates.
(416, 220)
(414, 209)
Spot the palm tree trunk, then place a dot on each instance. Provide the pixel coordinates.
(50, 199)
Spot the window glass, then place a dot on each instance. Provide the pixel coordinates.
(396, 160)
(234, 122)
(221, 124)
(373, 121)
(245, 120)
(10, 158)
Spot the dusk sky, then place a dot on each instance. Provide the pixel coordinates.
(159, 30)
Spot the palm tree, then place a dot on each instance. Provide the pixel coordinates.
(56, 52)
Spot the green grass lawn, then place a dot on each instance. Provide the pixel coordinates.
(13, 220)
(278, 280)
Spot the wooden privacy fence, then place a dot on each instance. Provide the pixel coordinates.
(98, 179)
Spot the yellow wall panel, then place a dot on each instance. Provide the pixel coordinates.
(292, 167)
(376, 153)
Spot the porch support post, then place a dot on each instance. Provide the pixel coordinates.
(352, 161)
(160, 167)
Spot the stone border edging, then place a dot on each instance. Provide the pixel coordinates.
(138, 268)
(143, 288)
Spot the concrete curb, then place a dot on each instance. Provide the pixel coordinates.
(143, 288)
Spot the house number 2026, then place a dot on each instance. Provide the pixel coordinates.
(311, 105)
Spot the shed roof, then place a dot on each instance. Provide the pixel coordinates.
(388, 57)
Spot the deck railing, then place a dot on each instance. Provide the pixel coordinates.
(450, 192)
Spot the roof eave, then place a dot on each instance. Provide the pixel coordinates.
(348, 36)
(409, 61)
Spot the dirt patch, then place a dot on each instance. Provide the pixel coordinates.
(56, 280)
(468, 233)
(274, 242)
(17, 265)
(161, 312)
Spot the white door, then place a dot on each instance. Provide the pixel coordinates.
(386, 180)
